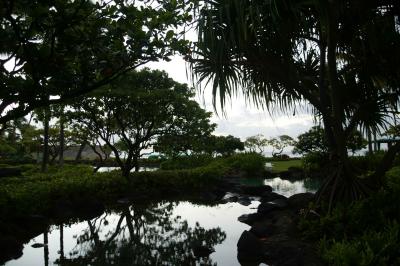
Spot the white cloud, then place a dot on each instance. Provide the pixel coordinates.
(242, 118)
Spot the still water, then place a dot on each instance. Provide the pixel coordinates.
(288, 188)
(141, 169)
(162, 233)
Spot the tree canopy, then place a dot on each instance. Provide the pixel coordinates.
(314, 141)
(136, 109)
(52, 51)
(339, 56)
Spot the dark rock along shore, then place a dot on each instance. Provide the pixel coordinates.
(273, 237)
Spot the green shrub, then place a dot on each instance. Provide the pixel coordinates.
(392, 180)
(186, 162)
(372, 248)
(38, 192)
(363, 233)
(315, 161)
(253, 164)
(180, 179)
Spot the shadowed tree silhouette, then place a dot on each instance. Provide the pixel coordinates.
(143, 235)
(339, 56)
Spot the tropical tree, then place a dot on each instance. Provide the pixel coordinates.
(130, 114)
(193, 133)
(56, 146)
(52, 51)
(225, 145)
(339, 56)
(19, 139)
(256, 143)
(314, 141)
(280, 143)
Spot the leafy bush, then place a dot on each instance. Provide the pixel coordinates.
(253, 164)
(363, 233)
(315, 161)
(180, 179)
(38, 192)
(372, 248)
(186, 162)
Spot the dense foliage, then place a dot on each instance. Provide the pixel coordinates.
(52, 51)
(251, 164)
(35, 192)
(365, 233)
(314, 141)
(137, 109)
(282, 53)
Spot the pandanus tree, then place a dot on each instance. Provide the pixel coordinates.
(339, 56)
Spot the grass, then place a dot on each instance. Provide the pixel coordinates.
(280, 166)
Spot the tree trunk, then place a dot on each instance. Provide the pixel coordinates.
(126, 170)
(46, 122)
(79, 154)
(370, 150)
(341, 184)
(46, 248)
(136, 164)
(62, 142)
(62, 242)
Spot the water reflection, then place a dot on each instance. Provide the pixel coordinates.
(142, 236)
(141, 169)
(131, 235)
(289, 188)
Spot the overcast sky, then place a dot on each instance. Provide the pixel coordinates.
(241, 120)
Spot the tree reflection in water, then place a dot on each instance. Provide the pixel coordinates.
(142, 235)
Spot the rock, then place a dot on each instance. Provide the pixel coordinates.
(266, 207)
(250, 248)
(270, 196)
(245, 201)
(249, 218)
(281, 203)
(300, 201)
(230, 197)
(202, 251)
(256, 190)
(38, 245)
(262, 230)
(285, 253)
(284, 223)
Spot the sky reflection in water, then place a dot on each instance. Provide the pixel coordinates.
(161, 233)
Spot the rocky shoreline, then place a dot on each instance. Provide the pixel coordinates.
(273, 237)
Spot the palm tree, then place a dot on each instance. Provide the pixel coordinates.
(339, 56)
